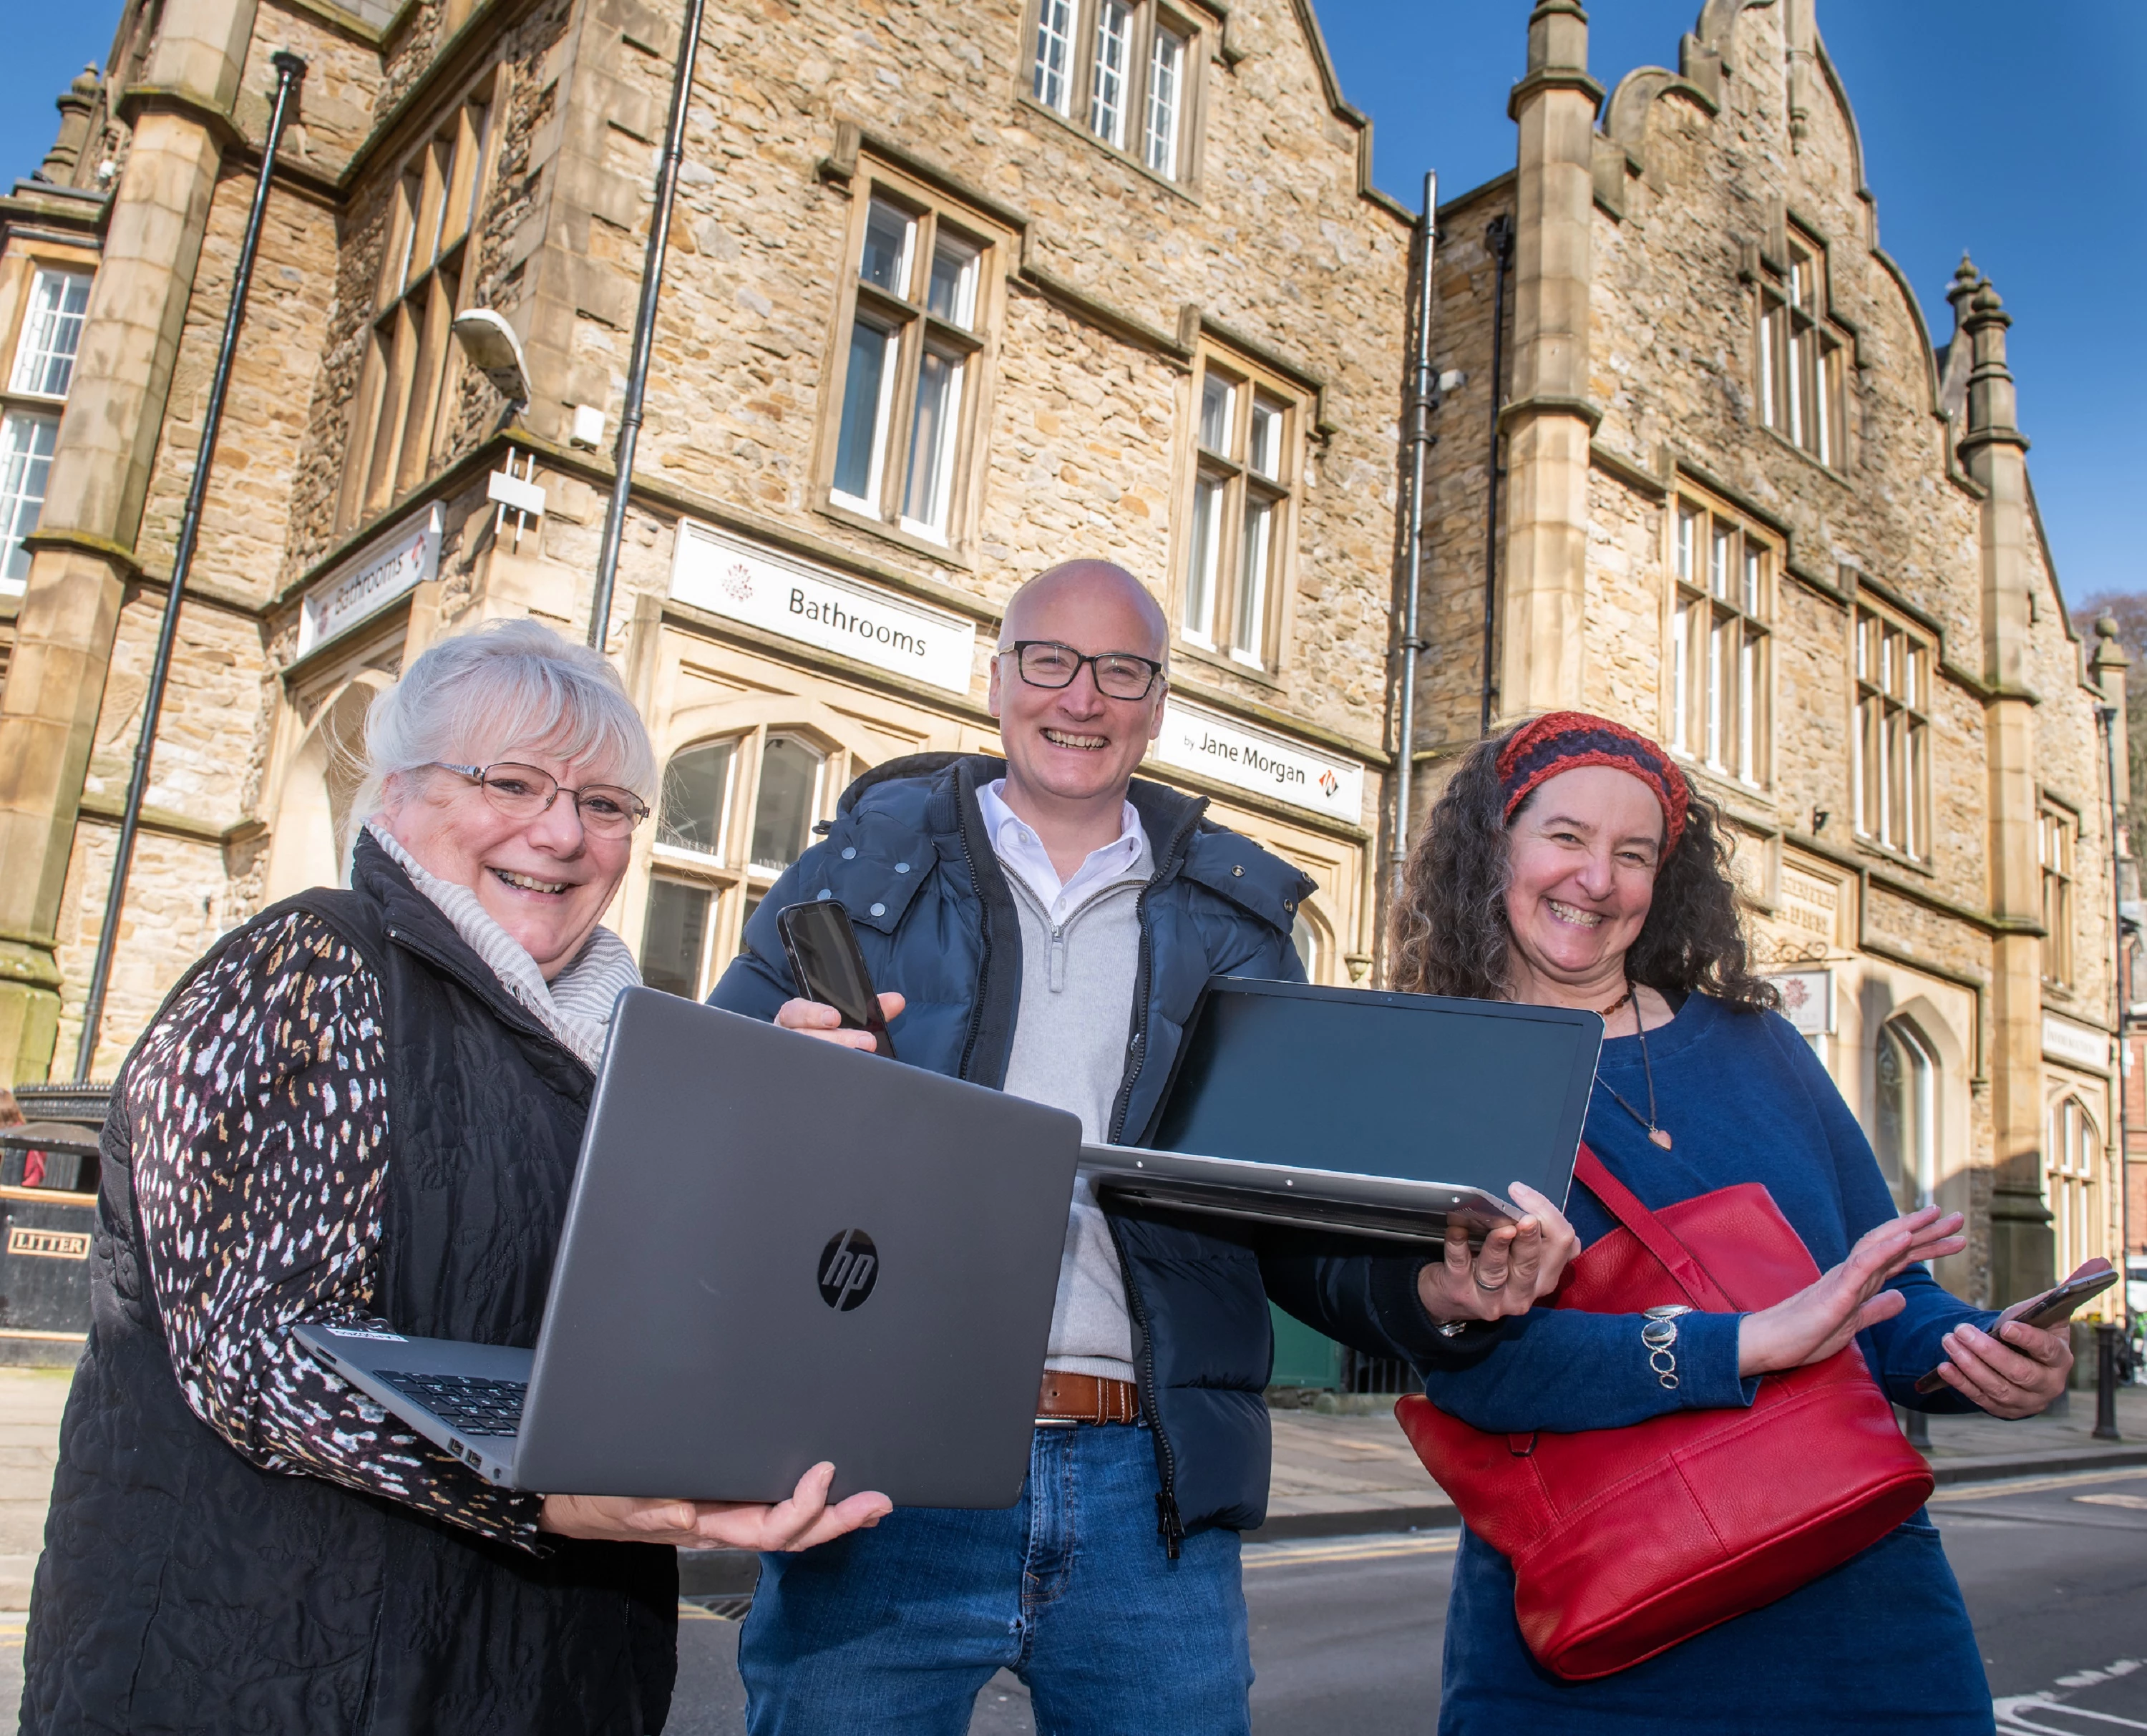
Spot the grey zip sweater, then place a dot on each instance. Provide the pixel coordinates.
(1069, 1051)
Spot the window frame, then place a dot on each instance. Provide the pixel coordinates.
(1899, 755)
(1735, 739)
(916, 331)
(1253, 391)
(2057, 836)
(1916, 1136)
(13, 499)
(1799, 353)
(1147, 23)
(2072, 1180)
(412, 362)
(40, 272)
(33, 409)
(732, 883)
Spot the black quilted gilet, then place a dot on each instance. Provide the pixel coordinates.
(183, 1590)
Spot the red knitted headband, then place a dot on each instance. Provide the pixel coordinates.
(1560, 740)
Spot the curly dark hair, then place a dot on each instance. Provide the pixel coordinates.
(1450, 935)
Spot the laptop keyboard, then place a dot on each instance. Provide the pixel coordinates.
(461, 1402)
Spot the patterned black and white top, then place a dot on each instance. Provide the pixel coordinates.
(259, 1105)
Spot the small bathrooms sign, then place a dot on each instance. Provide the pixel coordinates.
(779, 593)
(371, 579)
(1198, 740)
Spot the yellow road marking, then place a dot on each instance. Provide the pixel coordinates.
(2031, 1485)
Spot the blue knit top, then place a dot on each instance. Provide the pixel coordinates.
(1883, 1642)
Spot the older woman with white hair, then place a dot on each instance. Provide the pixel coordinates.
(364, 1108)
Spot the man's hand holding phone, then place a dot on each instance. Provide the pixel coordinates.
(816, 1018)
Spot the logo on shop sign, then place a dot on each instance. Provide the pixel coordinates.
(849, 1268)
(1328, 783)
(738, 582)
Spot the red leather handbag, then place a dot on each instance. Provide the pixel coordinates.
(1625, 1541)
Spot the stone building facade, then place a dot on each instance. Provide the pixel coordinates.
(956, 292)
(1749, 506)
(953, 294)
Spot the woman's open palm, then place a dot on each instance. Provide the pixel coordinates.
(1822, 1317)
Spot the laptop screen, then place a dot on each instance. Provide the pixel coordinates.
(1414, 1087)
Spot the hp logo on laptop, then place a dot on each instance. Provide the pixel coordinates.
(849, 1267)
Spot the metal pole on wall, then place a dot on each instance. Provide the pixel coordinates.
(2107, 714)
(645, 327)
(1420, 440)
(290, 72)
(1499, 239)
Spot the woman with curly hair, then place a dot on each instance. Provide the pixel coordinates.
(1569, 863)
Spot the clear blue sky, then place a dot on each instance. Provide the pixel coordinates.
(2009, 127)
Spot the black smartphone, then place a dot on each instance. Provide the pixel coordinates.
(827, 967)
(2061, 1302)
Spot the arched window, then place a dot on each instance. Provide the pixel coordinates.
(735, 814)
(316, 825)
(1308, 935)
(787, 802)
(2069, 1179)
(1904, 1133)
(697, 787)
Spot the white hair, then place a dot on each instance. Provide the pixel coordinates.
(476, 697)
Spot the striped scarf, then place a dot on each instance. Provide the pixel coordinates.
(575, 1006)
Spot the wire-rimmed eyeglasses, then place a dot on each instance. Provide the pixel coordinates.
(521, 793)
(1120, 674)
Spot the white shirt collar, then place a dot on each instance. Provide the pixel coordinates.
(1021, 851)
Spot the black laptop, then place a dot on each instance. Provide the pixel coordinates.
(1359, 1110)
(777, 1251)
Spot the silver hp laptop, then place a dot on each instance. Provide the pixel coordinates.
(777, 1251)
(1375, 1113)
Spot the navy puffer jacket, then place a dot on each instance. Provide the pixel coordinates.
(908, 856)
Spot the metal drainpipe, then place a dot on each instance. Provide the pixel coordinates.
(644, 326)
(2107, 714)
(1498, 237)
(1420, 440)
(290, 73)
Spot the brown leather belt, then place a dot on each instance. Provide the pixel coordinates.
(1065, 1398)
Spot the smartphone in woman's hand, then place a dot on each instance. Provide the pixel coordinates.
(2057, 1303)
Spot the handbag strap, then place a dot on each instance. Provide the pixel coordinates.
(1651, 1233)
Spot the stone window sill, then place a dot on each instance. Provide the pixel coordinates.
(946, 554)
(1185, 650)
(1787, 444)
(1896, 858)
(1109, 149)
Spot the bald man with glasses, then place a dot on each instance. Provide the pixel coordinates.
(1044, 924)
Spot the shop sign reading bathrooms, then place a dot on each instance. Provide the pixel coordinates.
(1198, 740)
(779, 593)
(378, 573)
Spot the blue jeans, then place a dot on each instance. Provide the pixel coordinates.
(895, 1629)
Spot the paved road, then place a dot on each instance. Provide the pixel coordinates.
(1346, 1632)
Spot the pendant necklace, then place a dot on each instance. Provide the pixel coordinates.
(1659, 1135)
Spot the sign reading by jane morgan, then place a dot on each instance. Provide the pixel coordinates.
(1198, 740)
(780, 593)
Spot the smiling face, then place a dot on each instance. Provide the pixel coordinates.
(1072, 747)
(545, 880)
(1584, 849)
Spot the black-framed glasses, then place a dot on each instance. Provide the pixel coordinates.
(521, 793)
(1120, 674)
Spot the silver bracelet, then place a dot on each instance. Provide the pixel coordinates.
(1660, 1336)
